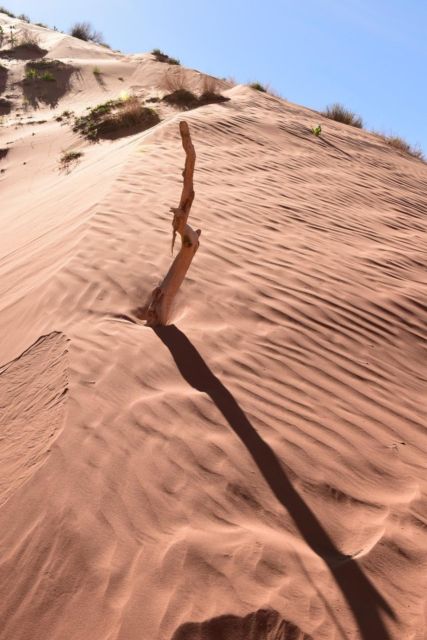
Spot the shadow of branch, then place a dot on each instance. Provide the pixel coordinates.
(361, 595)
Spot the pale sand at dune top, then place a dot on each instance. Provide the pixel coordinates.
(256, 469)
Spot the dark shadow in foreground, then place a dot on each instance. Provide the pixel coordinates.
(264, 624)
(365, 601)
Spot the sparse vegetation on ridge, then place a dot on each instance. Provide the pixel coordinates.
(258, 87)
(7, 12)
(116, 118)
(181, 96)
(85, 31)
(401, 145)
(339, 113)
(163, 57)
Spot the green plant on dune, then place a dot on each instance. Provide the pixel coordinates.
(114, 118)
(48, 76)
(316, 130)
(31, 74)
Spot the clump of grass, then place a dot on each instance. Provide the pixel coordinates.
(316, 130)
(339, 113)
(401, 145)
(258, 87)
(114, 118)
(85, 31)
(31, 74)
(163, 57)
(68, 159)
(182, 98)
(24, 17)
(96, 71)
(209, 92)
(42, 24)
(48, 76)
(28, 39)
(7, 12)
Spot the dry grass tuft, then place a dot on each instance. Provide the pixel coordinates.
(339, 113)
(163, 57)
(28, 39)
(69, 159)
(401, 145)
(258, 87)
(174, 80)
(182, 98)
(85, 31)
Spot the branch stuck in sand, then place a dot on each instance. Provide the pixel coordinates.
(163, 295)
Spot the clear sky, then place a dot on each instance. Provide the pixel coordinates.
(370, 55)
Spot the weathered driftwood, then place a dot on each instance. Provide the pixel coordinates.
(162, 297)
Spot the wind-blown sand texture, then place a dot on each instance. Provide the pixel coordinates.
(256, 470)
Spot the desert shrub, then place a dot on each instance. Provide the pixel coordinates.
(211, 98)
(69, 158)
(210, 93)
(28, 39)
(96, 71)
(85, 31)
(258, 87)
(401, 145)
(182, 98)
(42, 24)
(47, 81)
(174, 80)
(209, 84)
(23, 17)
(7, 12)
(339, 113)
(163, 57)
(115, 118)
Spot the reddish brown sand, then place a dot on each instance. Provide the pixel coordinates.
(257, 469)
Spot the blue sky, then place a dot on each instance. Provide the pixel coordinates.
(370, 55)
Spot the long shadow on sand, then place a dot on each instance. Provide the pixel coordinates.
(365, 601)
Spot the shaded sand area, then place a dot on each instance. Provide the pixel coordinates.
(256, 470)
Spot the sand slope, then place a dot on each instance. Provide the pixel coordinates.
(257, 469)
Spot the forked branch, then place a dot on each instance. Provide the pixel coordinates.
(162, 297)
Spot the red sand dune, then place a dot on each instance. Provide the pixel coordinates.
(256, 470)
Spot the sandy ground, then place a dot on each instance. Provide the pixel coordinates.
(256, 470)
